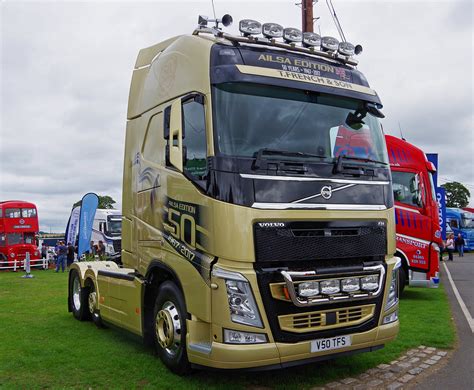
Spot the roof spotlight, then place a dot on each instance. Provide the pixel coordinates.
(291, 34)
(329, 44)
(250, 27)
(272, 30)
(311, 39)
(346, 49)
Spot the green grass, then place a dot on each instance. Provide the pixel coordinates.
(43, 346)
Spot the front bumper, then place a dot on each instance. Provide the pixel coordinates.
(278, 355)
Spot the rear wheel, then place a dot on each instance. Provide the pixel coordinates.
(169, 328)
(78, 296)
(93, 306)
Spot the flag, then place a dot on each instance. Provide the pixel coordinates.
(89, 205)
(72, 224)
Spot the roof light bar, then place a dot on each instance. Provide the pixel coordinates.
(250, 27)
(346, 49)
(272, 30)
(291, 34)
(311, 39)
(329, 43)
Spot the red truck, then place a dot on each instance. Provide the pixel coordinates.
(18, 231)
(416, 214)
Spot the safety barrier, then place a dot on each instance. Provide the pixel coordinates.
(21, 264)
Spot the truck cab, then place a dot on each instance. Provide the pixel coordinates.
(107, 227)
(258, 225)
(461, 222)
(416, 213)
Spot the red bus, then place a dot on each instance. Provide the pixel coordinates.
(416, 213)
(18, 231)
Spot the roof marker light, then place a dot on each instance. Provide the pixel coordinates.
(346, 49)
(272, 30)
(291, 34)
(329, 44)
(250, 27)
(311, 39)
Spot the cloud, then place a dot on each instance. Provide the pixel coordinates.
(66, 70)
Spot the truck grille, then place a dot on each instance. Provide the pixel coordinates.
(329, 319)
(290, 323)
(314, 240)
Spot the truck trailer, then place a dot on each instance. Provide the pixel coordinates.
(416, 214)
(258, 225)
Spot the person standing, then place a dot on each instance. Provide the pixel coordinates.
(44, 250)
(101, 249)
(62, 253)
(450, 246)
(460, 244)
(70, 254)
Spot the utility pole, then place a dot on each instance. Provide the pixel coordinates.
(307, 15)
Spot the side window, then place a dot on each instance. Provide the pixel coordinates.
(194, 138)
(1, 213)
(406, 189)
(12, 213)
(454, 223)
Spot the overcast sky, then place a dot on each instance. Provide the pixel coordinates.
(66, 69)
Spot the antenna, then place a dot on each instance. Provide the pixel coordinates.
(401, 133)
(213, 9)
(332, 11)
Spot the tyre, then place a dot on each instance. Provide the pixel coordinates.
(169, 328)
(93, 306)
(402, 280)
(78, 296)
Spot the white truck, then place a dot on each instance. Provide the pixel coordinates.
(107, 227)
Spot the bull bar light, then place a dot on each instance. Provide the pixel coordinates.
(291, 34)
(311, 39)
(272, 30)
(250, 27)
(329, 44)
(346, 49)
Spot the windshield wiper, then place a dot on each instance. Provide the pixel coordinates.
(259, 154)
(338, 163)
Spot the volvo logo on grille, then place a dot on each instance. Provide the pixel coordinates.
(271, 224)
(326, 192)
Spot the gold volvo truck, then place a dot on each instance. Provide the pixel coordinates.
(258, 224)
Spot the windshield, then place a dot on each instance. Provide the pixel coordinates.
(115, 226)
(251, 117)
(467, 221)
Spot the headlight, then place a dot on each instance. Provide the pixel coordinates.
(350, 284)
(393, 292)
(242, 305)
(308, 289)
(370, 283)
(329, 287)
(238, 337)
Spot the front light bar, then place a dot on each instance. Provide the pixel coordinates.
(334, 289)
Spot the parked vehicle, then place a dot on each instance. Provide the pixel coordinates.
(416, 214)
(462, 221)
(107, 227)
(258, 226)
(18, 231)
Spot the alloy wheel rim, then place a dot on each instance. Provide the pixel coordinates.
(76, 294)
(168, 328)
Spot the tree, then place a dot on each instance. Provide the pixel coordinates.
(105, 202)
(456, 194)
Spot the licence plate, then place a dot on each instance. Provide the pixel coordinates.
(330, 343)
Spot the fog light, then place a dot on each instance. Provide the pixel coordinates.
(329, 44)
(238, 337)
(391, 317)
(330, 287)
(308, 289)
(350, 284)
(370, 283)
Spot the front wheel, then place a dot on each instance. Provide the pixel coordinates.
(169, 328)
(78, 296)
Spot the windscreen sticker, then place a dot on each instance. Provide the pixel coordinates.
(305, 78)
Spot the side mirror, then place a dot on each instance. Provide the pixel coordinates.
(176, 136)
